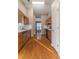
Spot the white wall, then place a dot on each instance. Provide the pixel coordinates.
(31, 18)
(55, 25)
(22, 7)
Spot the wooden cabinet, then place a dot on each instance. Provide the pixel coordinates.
(20, 15)
(26, 20)
(19, 40)
(26, 36)
(48, 34)
(22, 18)
(48, 21)
(23, 38)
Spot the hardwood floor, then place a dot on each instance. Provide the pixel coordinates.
(38, 49)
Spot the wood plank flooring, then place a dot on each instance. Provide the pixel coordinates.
(38, 49)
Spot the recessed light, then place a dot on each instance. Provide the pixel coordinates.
(37, 2)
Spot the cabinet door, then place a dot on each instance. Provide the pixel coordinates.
(19, 41)
(49, 35)
(22, 18)
(19, 16)
(29, 34)
(25, 37)
(26, 20)
(23, 40)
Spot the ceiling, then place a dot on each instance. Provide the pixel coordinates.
(42, 9)
(39, 9)
(46, 1)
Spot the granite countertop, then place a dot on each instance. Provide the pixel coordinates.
(46, 27)
(50, 29)
(24, 28)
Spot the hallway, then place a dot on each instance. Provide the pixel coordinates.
(38, 49)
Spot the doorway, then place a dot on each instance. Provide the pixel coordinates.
(38, 29)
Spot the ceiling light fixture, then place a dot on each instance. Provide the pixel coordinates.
(37, 2)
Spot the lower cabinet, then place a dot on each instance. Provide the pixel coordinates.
(23, 37)
(48, 35)
(19, 40)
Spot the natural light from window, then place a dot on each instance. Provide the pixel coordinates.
(37, 2)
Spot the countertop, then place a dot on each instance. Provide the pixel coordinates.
(45, 27)
(49, 29)
(24, 28)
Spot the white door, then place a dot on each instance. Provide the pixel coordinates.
(55, 25)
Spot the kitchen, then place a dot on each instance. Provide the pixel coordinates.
(35, 21)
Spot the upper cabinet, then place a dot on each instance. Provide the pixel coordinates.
(19, 16)
(22, 18)
(48, 21)
(26, 20)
